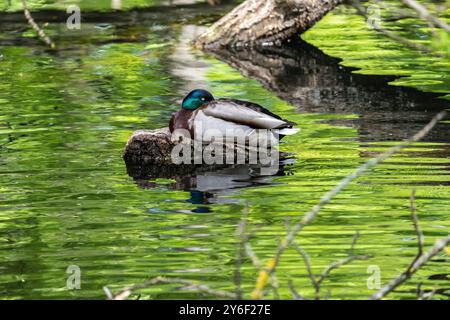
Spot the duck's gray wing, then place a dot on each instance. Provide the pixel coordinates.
(245, 113)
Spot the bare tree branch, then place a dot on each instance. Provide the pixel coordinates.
(252, 255)
(424, 295)
(307, 264)
(242, 240)
(295, 294)
(316, 282)
(426, 15)
(354, 240)
(438, 247)
(418, 261)
(416, 46)
(327, 197)
(336, 265)
(416, 228)
(125, 293)
(245, 247)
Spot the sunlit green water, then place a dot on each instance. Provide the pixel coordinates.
(360, 46)
(66, 198)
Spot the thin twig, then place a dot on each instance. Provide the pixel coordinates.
(242, 240)
(354, 240)
(416, 227)
(34, 25)
(427, 295)
(295, 294)
(316, 282)
(246, 247)
(327, 197)
(335, 265)
(307, 263)
(416, 46)
(252, 255)
(125, 293)
(275, 286)
(438, 247)
(426, 15)
(108, 293)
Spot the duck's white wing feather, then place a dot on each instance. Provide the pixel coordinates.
(229, 110)
(204, 123)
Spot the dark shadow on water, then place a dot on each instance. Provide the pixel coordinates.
(312, 81)
(205, 183)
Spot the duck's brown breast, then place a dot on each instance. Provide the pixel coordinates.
(180, 120)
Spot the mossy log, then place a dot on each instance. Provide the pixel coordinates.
(149, 147)
(148, 154)
(264, 23)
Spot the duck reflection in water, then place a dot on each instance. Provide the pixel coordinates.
(213, 186)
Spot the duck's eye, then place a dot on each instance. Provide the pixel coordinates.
(203, 99)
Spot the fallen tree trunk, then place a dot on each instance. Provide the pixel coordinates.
(264, 22)
(149, 147)
(149, 153)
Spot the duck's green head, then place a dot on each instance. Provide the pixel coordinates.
(197, 98)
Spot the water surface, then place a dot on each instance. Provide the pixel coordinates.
(67, 199)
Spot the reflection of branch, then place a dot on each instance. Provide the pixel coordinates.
(307, 262)
(327, 197)
(326, 272)
(415, 221)
(355, 238)
(245, 246)
(418, 261)
(426, 15)
(336, 265)
(125, 293)
(363, 12)
(295, 294)
(422, 294)
(39, 31)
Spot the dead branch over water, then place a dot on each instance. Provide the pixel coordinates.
(267, 273)
(420, 260)
(413, 268)
(326, 198)
(361, 10)
(426, 15)
(125, 293)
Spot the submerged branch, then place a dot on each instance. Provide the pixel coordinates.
(416, 225)
(423, 295)
(416, 46)
(125, 293)
(336, 265)
(307, 262)
(326, 198)
(295, 294)
(246, 247)
(418, 261)
(316, 282)
(426, 15)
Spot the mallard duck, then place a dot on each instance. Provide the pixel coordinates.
(200, 112)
